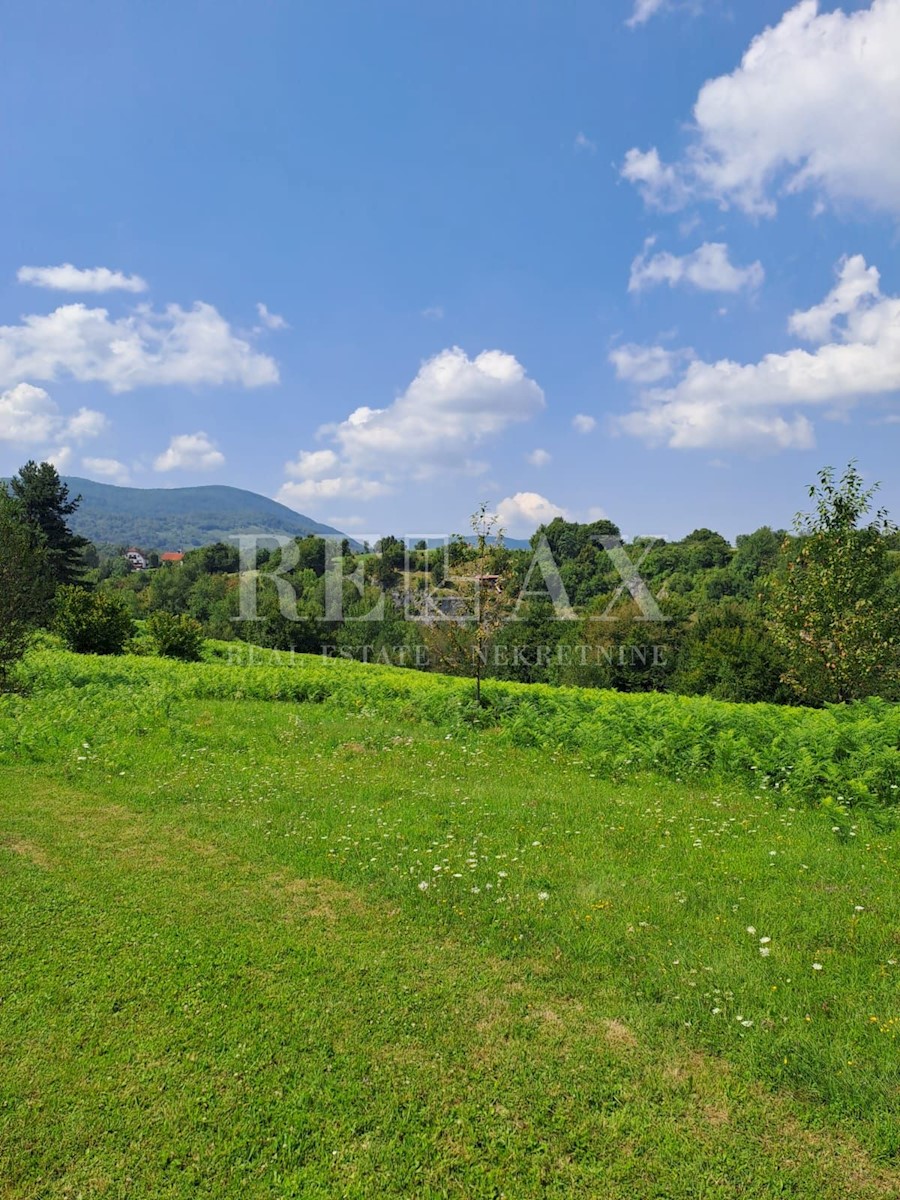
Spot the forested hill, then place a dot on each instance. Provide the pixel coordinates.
(179, 518)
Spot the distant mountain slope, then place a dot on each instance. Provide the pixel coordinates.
(179, 518)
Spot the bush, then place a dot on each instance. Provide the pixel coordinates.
(176, 637)
(92, 622)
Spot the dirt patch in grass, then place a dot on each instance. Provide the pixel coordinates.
(319, 899)
(618, 1034)
(35, 854)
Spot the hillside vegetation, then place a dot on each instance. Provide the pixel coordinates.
(180, 518)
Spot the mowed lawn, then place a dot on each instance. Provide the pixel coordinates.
(275, 950)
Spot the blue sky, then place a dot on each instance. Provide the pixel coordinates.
(560, 256)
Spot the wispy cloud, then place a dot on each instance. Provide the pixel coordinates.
(269, 319)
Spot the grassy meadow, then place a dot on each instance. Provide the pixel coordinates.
(318, 930)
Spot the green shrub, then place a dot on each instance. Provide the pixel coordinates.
(92, 622)
(176, 637)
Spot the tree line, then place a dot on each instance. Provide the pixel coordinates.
(808, 616)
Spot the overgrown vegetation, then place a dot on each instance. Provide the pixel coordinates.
(833, 757)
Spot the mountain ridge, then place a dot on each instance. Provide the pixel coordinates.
(180, 518)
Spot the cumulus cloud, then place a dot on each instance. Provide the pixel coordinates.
(66, 278)
(271, 320)
(107, 468)
(730, 404)
(176, 346)
(454, 404)
(450, 408)
(856, 283)
(29, 415)
(812, 105)
(190, 452)
(708, 268)
(522, 513)
(645, 364)
(584, 145)
(538, 458)
(582, 423)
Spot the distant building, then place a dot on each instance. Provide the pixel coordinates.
(137, 560)
(171, 556)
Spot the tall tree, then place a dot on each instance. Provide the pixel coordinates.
(831, 613)
(44, 502)
(24, 584)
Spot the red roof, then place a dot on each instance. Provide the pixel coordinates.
(171, 556)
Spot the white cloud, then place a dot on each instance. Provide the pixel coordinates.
(582, 423)
(522, 513)
(190, 452)
(433, 313)
(29, 415)
(729, 404)
(813, 105)
(538, 458)
(312, 464)
(269, 319)
(87, 423)
(856, 283)
(643, 11)
(645, 364)
(107, 468)
(583, 144)
(707, 268)
(452, 406)
(60, 458)
(66, 278)
(177, 346)
(661, 185)
(337, 487)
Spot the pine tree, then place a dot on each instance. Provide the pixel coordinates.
(45, 505)
(24, 584)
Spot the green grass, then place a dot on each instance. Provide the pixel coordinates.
(220, 974)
